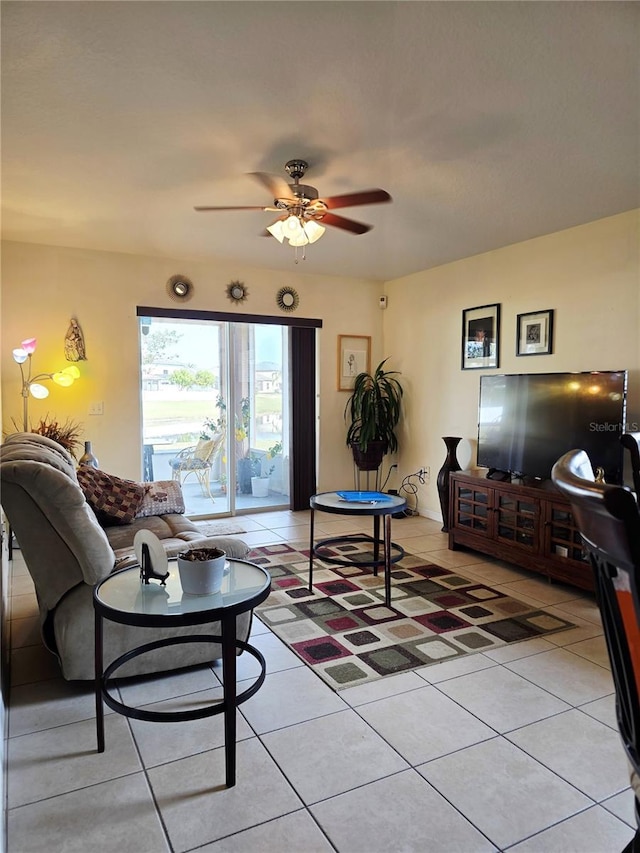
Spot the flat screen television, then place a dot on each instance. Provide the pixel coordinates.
(527, 421)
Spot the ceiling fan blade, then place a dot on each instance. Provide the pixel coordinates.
(261, 207)
(277, 186)
(346, 224)
(353, 199)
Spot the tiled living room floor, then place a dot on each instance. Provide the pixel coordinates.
(514, 749)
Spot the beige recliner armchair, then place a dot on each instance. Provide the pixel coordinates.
(66, 552)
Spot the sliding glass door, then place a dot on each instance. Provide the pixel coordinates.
(216, 412)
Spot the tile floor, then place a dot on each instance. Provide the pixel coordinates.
(513, 749)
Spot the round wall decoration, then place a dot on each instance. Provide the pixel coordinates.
(287, 299)
(237, 291)
(180, 288)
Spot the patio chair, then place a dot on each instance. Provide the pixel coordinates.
(198, 460)
(608, 519)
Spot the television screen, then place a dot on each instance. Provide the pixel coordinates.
(527, 421)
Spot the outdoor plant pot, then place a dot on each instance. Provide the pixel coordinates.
(201, 570)
(260, 487)
(245, 471)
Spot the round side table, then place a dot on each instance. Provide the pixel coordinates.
(123, 598)
(383, 506)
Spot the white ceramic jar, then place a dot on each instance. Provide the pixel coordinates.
(201, 570)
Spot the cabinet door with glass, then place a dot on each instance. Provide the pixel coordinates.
(562, 544)
(472, 508)
(516, 520)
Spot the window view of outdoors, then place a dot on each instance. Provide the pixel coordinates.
(215, 412)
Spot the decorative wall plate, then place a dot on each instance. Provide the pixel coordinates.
(237, 291)
(287, 299)
(180, 288)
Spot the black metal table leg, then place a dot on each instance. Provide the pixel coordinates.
(98, 657)
(229, 696)
(376, 543)
(311, 552)
(387, 560)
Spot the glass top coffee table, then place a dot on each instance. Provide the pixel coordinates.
(123, 598)
(377, 505)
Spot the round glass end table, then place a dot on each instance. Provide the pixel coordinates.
(124, 598)
(379, 506)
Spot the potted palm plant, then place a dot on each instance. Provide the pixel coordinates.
(373, 410)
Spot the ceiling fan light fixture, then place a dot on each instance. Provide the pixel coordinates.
(276, 230)
(300, 239)
(313, 230)
(301, 208)
(292, 227)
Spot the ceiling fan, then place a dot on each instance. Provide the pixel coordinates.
(303, 213)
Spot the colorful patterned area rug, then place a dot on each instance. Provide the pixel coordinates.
(346, 634)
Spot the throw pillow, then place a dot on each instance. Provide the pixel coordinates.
(203, 450)
(114, 500)
(161, 497)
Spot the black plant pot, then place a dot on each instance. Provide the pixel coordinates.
(450, 464)
(371, 459)
(245, 473)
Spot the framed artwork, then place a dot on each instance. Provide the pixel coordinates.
(354, 357)
(534, 334)
(481, 337)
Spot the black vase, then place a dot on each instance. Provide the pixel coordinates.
(450, 464)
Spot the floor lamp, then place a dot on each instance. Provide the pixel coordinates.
(31, 385)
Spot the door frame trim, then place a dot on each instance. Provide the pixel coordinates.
(228, 317)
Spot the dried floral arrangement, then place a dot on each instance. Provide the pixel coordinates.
(67, 434)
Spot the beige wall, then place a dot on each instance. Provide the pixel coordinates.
(44, 286)
(588, 274)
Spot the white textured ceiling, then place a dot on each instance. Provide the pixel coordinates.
(488, 122)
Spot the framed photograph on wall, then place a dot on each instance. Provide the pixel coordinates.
(534, 334)
(354, 357)
(481, 337)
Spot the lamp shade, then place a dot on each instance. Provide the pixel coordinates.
(313, 230)
(276, 230)
(66, 377)
(62, 379)
(29, 345)
(20, 355)
(292, 227)
(300, 239)
(38, 391)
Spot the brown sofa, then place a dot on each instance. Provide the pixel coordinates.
(67, 551)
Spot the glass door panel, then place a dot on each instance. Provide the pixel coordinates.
(215, 412)
(260, 401)
(183, 377)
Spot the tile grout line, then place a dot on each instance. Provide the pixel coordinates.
(147, 780)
